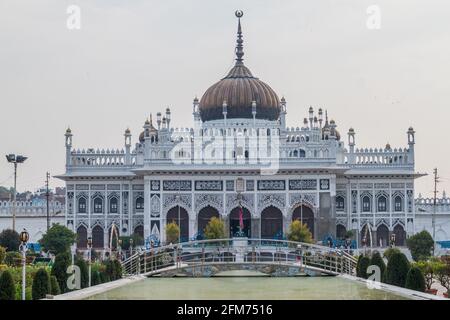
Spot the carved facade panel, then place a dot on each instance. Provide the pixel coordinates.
(177, 185)
(271, 185)
(155, 206)
(209, 185)
(232, 202)
(304, 184)
(155, 185)
(296, 199)
(213, 200)
(183, 200)
(276, 200)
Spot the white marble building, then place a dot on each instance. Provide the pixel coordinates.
(424, 219)
(31, 215)
(240, 141)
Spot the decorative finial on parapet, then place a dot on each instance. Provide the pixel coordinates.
(239, 41)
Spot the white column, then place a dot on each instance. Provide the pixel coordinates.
(147, 206)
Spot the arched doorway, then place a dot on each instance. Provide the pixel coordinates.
(204, 216)
(365, 235)
(182, 222)
(340, 231)
(400, 235)
(271, 223)
(382, 236)
(306, 215)
(97, 237)
(234, 222)
(81, 237)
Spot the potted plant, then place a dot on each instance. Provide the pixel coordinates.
(443, 276)
(428, 269)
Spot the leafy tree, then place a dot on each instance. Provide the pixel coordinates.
(7, 287)
(54, 286)
(361, 266)
(2, 254)
(421, 245)
(10, 240)
(59, 269)
(215, 229)
(389, 252)
(415, 280)
(84, 272)
(95, 280)
(377, 260)
(348, 234)
(58, 239)
(172, 232)
(41, 285)
(397, 269)
(299, 232)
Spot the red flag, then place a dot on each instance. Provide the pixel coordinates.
(241, 219)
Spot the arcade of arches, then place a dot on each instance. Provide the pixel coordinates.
(204, 216)
(180, 216)
(381, 235)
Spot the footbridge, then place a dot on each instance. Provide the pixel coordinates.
(206, 258)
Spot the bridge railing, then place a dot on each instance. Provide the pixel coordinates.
(204, 252)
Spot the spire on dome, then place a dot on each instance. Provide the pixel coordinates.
(239, 41)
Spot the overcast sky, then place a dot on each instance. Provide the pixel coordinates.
(131, 58)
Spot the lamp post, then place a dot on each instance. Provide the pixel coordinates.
(131, 247)
(119, 249)
(12, 158)
(177, 199)
(392, 240)
(24, 236)
(89, 244)
(240, 189)
(73, 250)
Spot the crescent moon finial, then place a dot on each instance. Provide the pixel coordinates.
(239, 13)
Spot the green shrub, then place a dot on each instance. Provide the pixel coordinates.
(389, 252)
(54, 286)
(10, 240)
(7, 287)
(13, 258)
(2, 254)
(397, 269)
(59, 269)
(377, 260)
(299, 231)
(421, 245)
(84, 272)
(415, 280)
(215, 229)
(172, 232)
(95, 280)
(41, 285)
(361, 266)
(429, 270)
(118, 269)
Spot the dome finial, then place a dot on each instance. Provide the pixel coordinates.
(239, 41)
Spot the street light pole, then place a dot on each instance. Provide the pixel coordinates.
(89, 243)
(47, 195)
(12, 158)
(433, 220)
(24, 236)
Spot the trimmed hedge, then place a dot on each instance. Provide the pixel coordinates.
(415, 280)
(59, 269)
(397, 269)
(361, 266)
(54, 286)
(377, 260)
(7, 287)
(41, 285)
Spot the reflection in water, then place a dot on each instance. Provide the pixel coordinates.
(270, 288)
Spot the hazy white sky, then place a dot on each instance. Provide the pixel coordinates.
(131, 58)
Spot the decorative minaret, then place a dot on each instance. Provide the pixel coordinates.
(320, 118)
(158, 120)
(351, 145)
(68, 136)
(311, 117)
(195, 112)
(168, 117)
(239, 41)
(283, 114)
(127, 136)
(411, 142)
(224, 111)
(146, 137)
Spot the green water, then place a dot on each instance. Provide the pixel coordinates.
(249, 287)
